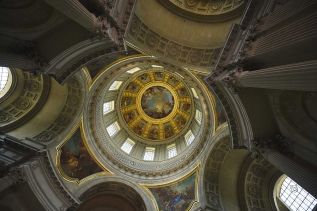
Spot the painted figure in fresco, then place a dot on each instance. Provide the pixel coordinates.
(157, 102)
(168, 131)
(182, 92)
(173, 81)
(75, 160)
(180, 121)
(185, 107)
(133, 87)
(129, 116)
(159, 76)
(144, 78)
(154, 132)
(176, 197)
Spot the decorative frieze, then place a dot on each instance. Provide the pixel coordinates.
(28, 103)
(211, 175)
(140, 35)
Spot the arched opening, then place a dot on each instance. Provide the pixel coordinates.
(107, 202)
(292, 196)
(111, 196)
(5, 80)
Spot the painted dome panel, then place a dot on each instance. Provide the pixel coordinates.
(151, 102)
(157, 102)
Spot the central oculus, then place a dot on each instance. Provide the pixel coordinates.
(157, 102)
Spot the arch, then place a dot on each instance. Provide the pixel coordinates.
(109, 202)
(291, 196)
(297, 118)
(109, 185)
(23, 99)
(5, 80)
(256, 184)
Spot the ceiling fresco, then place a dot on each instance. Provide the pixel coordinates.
(157, 102)
(156, 105)
(176, 196)
(73, 159)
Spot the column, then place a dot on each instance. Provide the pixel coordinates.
(291, 39)
(294, 32)
(74, 10)
(278, 152)
(307, 178)
(298, 76)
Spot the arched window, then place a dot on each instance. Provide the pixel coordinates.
(5, 80)
(4, 75)
(295, 197)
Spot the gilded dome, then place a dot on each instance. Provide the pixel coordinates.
(148, 118)
(156, 104)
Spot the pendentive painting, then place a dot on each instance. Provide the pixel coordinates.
(176, 197)
(75, 161)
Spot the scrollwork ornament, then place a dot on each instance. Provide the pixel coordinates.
(33, 86)
(22, 103)
(45, 136)
(191, 3)
(4, 117)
